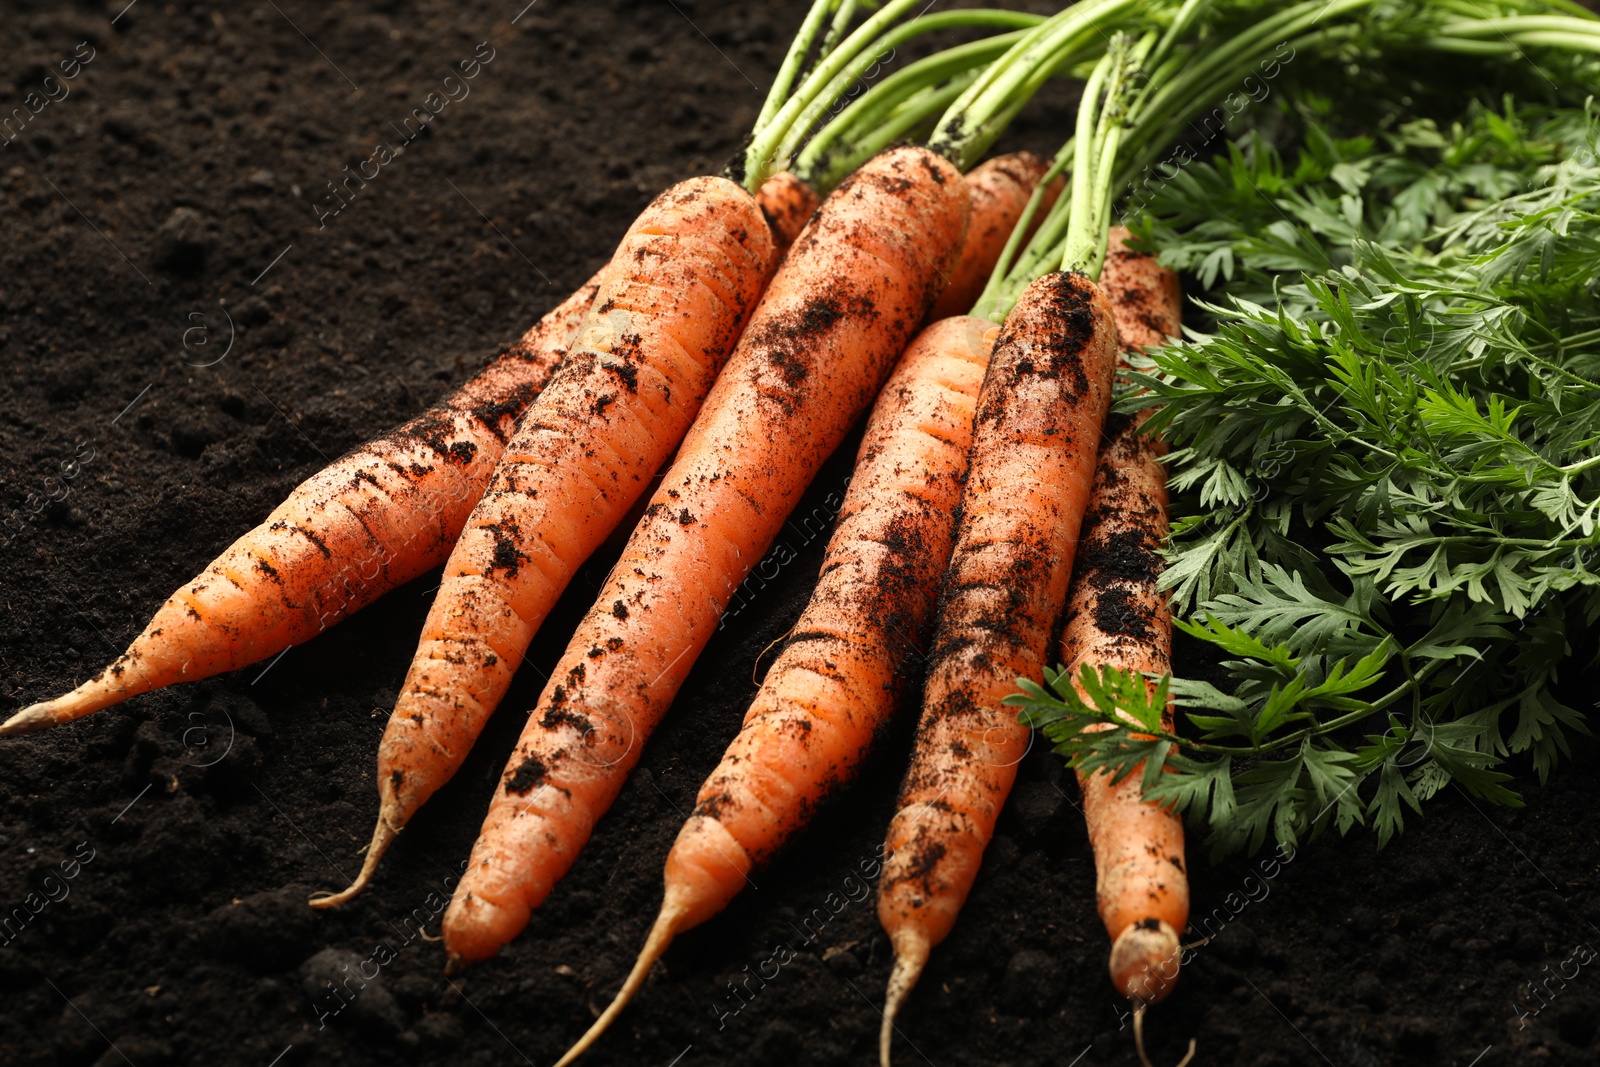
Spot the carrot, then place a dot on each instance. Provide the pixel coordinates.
(1039, 416)
(1116, 616)
(372, 520)
(1000, 190)
(841, 674)
(673, 303)
(788, 203)
(1029, 479)
(1145, 298)
(839, 311)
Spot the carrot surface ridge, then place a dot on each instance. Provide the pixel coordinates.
(674, 300)
(1118, 617)
(377, 517)
(1031, 468)
(840, 310)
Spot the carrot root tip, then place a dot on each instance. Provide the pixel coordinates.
(1138, 1039)
(382, 835)
(910, 956)
(29, 719)
(666, 927)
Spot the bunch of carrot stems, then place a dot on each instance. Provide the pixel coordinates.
(822, 279)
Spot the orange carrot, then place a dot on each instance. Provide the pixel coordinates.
(1038, 425)
(788, 203)
(1145, 298)
(372, 520)
(673, 303)
(1116, 616)
(837, 314)
(1000, 191)
(842, 673)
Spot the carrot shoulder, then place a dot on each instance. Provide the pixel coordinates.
(372, 520)
(1145, 298)
(1037, 431)
(839, 311)
(788, 203)
(1118, 617)
(1000, 191)
(674, 301)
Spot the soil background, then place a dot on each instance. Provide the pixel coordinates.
(164, 214)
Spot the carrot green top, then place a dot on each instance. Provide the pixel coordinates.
(795, 104)
(1176, 56)
(1141, 94)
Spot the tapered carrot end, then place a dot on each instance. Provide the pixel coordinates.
(382, 836)
(89, 697)
(476, 927)
(28, 720)
(667, 926)
(910, 956)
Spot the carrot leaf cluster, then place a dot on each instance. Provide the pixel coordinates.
(1386, 468)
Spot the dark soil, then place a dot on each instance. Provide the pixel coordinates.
(158, 855)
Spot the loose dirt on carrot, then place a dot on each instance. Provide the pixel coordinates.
(157, 856)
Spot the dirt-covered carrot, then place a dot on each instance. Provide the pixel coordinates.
(833, 321)
(374, 519)
(673, 303)
(1145, 297)
(1031, 469)
(1000, 190)
(1116, 616)
(843, 670)
(960, 773)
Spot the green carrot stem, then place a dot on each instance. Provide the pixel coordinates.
(858, 68)
(1180, 26)
(1097, 146)
(1464, 47)
(984, 308)
(1572, 42)
(761, 158)
(841, 21)
(858, 131)
(791, 64)
(1517, 24)
(978, 116)
(1080, 226)
(915, 113)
